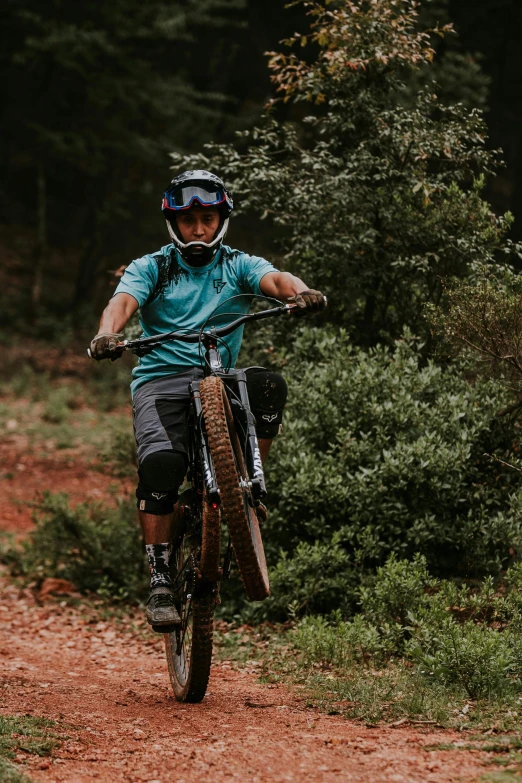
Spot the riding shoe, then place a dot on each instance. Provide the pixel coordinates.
(160, 607)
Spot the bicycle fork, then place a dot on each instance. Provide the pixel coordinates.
(209, 474)
(253, 455)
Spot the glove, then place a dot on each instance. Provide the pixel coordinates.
(308, 302)
(103, 346)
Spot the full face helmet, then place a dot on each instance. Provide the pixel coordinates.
(207, 190)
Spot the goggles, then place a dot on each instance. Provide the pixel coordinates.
(183, 198)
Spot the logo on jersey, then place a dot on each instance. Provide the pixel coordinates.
(219, 285)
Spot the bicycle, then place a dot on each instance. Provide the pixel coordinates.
(226, 473)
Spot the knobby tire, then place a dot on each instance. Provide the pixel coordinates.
(232, 478)
(198, 550)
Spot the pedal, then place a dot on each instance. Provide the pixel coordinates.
(165, 628)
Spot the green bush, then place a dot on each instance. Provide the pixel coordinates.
(457, 636)
(120, 452)
(333, 642)
(109, 383)
(10, 774)
(58, 405)
(97, 548)
(317, 577)
(481, 659)
(384, 453)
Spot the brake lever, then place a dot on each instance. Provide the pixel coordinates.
(143, 351)
(291, 307)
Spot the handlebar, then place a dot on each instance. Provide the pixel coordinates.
(149, 343)
(159, 339)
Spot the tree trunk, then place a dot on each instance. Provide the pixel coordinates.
(40, 249)
(87, 273)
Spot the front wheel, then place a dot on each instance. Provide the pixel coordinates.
(233, 481)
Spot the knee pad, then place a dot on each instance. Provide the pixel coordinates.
(161, 474)
(267, 392)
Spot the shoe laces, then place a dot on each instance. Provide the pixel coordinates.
(164, 599)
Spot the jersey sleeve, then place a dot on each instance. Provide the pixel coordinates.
(252, 269)
(139, 279)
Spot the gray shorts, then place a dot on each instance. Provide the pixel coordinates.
(161, 406)
(160, 409)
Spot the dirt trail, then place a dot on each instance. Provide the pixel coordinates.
(110, 690)
(113, 690)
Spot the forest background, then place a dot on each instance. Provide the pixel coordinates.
(395, 504)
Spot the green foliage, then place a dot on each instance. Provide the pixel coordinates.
(94, 94)
(397, 590)
(96, 547)
(380, 453)
(109, 382)
(462, 637)
(57, 408)
(484, 316)
(480, 659)
(316, 577)
(456, 74)
(23, 733)
(120, 453)
(10, 774)
(375, 186)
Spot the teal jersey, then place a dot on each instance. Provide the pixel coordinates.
(190, 298)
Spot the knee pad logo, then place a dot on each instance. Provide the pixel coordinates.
(269, 417)
(159, 495)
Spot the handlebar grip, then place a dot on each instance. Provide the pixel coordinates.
(123, 347)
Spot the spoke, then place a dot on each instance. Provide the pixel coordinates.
(185, 583)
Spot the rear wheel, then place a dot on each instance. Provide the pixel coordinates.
(236, 496)
(195, 565)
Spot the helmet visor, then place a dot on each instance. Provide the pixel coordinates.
(183, 198)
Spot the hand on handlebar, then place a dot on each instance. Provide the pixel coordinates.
(308, 302)
(105, 346)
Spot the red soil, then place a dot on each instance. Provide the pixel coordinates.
(24, 477)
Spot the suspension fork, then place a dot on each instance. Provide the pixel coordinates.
(253, 455)
(209, 474)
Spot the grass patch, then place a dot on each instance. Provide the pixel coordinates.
(23, 734)
(421, 650)
(28, 734)
(58, 414)
(10, 773)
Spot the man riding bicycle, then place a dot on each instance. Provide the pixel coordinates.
(179, 288)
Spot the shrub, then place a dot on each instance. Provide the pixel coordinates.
(316, 577)
(382, 452)
(337, 643)
(120, 453)
(458, 636)
(58, 405)
(481, 659)
(97, 548)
